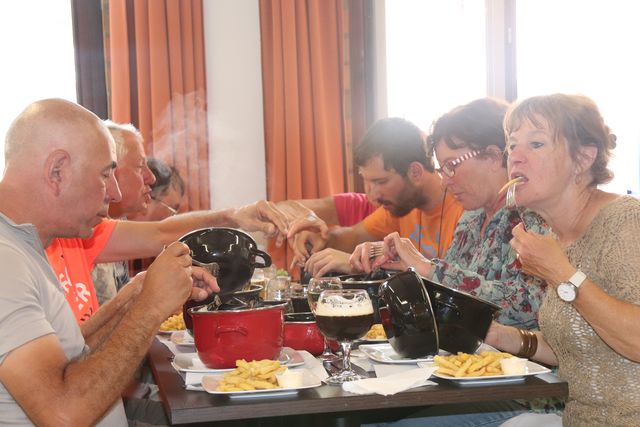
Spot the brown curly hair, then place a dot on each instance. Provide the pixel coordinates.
(575, 119)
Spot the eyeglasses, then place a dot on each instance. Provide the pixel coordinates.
(172, 211)
(449, 168)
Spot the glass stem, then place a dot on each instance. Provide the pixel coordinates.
(346, 354)
(327, 350)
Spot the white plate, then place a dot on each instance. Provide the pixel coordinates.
(532, 369)
(190, 362)
(384, 353)
(210, 383)
(169, 332)
(183, 338)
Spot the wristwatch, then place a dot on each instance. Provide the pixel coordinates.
(568, 291)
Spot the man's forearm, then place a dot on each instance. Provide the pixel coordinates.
(99, 326)
(346, 239)
(173, 228)
(104, 373)
(133, 239)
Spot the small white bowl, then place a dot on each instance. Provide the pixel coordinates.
(291, 378)
(513, 366)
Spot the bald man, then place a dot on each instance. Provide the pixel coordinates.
(58, 182)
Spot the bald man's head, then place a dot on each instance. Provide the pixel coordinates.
(60, 158)
(48, 125)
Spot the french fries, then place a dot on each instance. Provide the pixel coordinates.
(515, 180)
(173, 323)
(255, 375)
(471, 365)
(376, 332)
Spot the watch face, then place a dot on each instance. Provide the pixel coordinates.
(566, 292)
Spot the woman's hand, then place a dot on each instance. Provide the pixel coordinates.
(399, 253)
(541, 256)
(360, 259)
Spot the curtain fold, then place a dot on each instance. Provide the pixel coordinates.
(308, 100)
(302, 81)
(157, 75)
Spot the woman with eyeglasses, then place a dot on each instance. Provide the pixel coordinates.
(469, 145)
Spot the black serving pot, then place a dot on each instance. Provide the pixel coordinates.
(230, 254)
(408, 317)
(463, 319)
(369, 283)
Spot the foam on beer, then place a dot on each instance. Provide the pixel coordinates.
(337, 305)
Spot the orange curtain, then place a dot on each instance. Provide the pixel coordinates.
(157, 82)
(302, 72)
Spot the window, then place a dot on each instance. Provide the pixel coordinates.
(595, 55)
(38, 58)
(437, 58)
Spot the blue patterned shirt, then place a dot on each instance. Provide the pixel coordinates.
(486, 265)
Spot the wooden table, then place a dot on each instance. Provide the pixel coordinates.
(184, 406)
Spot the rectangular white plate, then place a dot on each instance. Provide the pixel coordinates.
(190, 362)
(384, 353)
(210, 383)
(532, 369)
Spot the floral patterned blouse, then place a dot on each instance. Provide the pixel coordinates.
(486, 266)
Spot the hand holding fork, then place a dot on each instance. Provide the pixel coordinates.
(511, 201)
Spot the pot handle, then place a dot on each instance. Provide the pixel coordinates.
(226, 329)
(265, 257)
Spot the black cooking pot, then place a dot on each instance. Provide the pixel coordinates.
(229, 254)
(369, 283)
(408, 317)
(463, 319)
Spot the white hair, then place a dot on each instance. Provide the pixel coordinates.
(117, 129)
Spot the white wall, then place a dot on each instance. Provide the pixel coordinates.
(234, 97)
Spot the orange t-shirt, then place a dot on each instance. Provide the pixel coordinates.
(72, 261)
(431, 232)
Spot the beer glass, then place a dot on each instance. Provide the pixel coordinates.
(344, 315)
(315, 287)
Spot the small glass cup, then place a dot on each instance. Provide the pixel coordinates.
(269, 272)
(278, 288)
(299, 301)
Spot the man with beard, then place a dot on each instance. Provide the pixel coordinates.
(392, 160)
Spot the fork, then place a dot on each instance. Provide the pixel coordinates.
(375, 251)
(511, 202)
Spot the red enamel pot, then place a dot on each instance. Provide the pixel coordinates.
(302, 333)
(222, 337)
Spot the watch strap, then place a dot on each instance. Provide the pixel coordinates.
(577, 278)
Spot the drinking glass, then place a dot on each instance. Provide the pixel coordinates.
(314, 289)
(299, 298)
(278, 288)
(344, 315)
